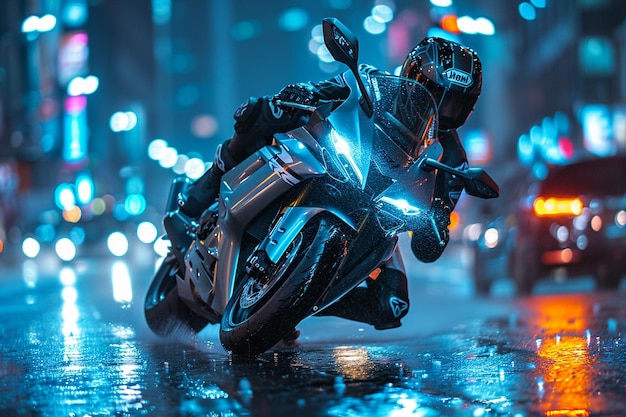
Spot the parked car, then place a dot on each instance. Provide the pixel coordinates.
(570, 224)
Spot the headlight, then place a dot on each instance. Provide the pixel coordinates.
(403, 205)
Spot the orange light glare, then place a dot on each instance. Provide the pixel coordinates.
(559, 257)
(72, 214)
(567, 413)
(454, 220)
(557, 206)
(449, 23)
(596, 223)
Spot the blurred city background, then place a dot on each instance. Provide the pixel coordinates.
(104, 102)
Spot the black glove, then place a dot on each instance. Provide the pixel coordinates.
(247, 114)
(262, 117)
(259, 118)
(431, 238)
(297, 93)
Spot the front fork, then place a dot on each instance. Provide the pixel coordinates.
(178, 227)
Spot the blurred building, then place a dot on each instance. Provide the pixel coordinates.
(133, 93)
(569, 89)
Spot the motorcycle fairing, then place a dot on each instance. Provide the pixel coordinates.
(411, 195)
(290, 224)
(351, 133)
(342, 141)
(246, 191)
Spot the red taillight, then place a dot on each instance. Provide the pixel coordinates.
(557, 206)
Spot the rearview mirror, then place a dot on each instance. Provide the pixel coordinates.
(476, 181)
(343, 45)
(341, 42)
(479, 184)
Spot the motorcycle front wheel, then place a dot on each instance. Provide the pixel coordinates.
(165, 312)
(263, 310)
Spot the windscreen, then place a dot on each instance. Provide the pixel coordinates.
(404, 112)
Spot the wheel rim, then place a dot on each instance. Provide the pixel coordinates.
(255, 289)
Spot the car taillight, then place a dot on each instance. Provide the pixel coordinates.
(557, 206)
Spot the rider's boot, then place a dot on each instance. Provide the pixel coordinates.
(203, 192)
(391, 295)
(382, 303)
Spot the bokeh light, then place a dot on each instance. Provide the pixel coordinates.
(293, 19)
(123, 121)
(30, 247)
(147, 232)
(65, 249)
(155, 148)
(117, 243)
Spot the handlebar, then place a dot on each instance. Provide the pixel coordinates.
(306, 107)
(282, 103)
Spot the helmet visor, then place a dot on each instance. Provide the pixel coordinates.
(454, 107)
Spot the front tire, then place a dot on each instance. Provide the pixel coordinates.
(165, 312)
(261, 311)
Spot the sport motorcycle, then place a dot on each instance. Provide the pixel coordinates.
(305, 220)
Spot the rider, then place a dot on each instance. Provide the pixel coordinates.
(453, 75)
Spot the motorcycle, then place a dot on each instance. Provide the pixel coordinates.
(303, 221)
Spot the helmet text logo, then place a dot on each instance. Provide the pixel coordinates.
(459, 77)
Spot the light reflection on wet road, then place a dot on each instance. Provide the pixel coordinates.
(74, 346)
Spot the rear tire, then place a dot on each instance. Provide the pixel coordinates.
(165, 312)
(259, 314)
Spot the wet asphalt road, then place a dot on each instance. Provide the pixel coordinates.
(74, 344)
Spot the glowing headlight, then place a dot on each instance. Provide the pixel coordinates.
(343, 148)
(403, 205)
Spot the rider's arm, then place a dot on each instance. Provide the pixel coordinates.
(259, 118)
(447, 187)
(429, 241)
(256, 121)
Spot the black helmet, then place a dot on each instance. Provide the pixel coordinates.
(451, 72)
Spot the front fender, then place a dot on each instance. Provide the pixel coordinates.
(290, 224)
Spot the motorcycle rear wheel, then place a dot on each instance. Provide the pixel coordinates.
(165, 312)
(257, 315)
